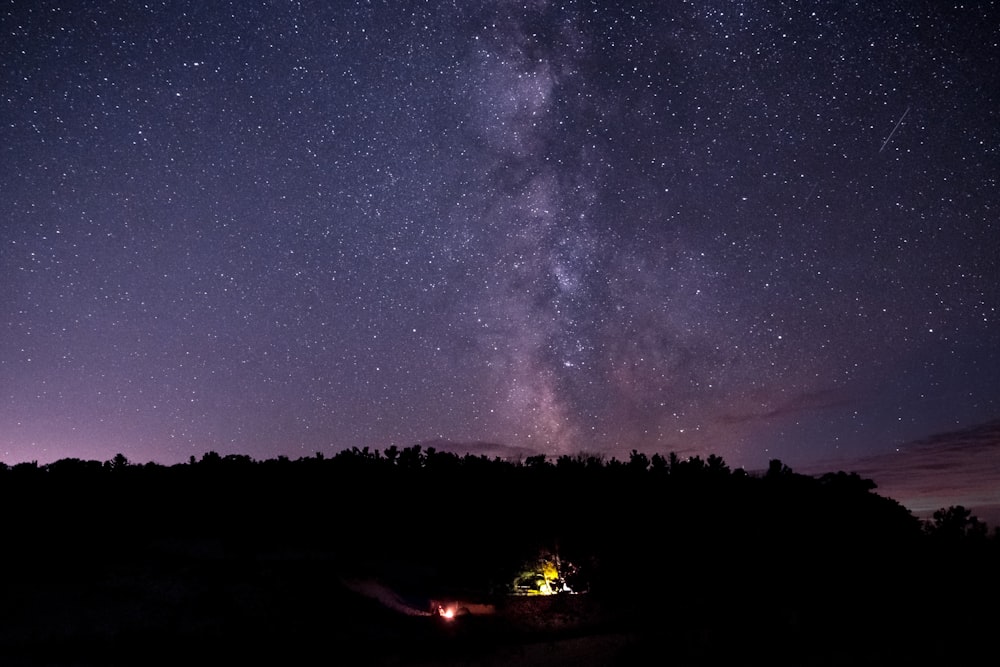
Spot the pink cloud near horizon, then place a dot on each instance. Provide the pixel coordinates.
(955, 468)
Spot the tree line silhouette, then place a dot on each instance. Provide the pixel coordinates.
(711, 557)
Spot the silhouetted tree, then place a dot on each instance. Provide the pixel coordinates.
(717, 466)
(237, 460)
(117, 464)
(537, 461)
(777, 470)
(74, 469)
(391, 453)
(637, 461)
(410, 458)
(955, 523)
(211, 458)
(842, 481)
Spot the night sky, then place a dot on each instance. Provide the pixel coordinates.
(756, 229)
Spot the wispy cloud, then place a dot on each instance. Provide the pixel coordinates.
(954, 468)
(489, 449)
(804, 402)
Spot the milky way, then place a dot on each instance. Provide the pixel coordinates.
(753, 229)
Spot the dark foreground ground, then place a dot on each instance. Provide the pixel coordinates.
(193, 603)
(196, 605)
(233, 562)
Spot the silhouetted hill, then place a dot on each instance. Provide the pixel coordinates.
(686, 557)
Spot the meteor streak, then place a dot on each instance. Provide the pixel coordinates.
(898, 123)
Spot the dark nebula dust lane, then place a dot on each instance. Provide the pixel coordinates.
(751, 229)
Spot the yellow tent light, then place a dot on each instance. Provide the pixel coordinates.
(540, 577)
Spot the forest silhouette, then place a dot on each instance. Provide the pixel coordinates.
(227, 557)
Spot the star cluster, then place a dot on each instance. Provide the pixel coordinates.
(755, 229)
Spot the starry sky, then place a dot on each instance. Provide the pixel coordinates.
(758, 229)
